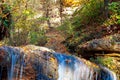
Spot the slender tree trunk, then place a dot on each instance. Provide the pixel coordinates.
(47, 13)
(106, 8)
(47, 16)
(61, 9)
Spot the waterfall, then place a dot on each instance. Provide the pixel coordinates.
(71, 68)
(15, 61)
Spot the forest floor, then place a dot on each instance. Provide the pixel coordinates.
(56, 37)
(55, 41)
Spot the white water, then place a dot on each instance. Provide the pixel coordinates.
(11, 70)
(21, 67)
(72, 69)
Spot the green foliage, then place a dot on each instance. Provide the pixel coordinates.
(67, 28)
(5, 20)
(37, 37)
(26, 29)
(89, 12)
(114, 8)
(108, 61)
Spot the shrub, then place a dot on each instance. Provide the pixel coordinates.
(90, 11)
(37, 37)
(26, 29)
(67, 28)
(5, 20)
(114, 9)
(103, 61)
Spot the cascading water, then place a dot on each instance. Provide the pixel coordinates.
(22, 66)
(71, 68)
(13, 57)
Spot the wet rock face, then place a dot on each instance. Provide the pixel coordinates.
(2, 55)
(45, 66)
(32, 64)
(39, 63)
(42, 61)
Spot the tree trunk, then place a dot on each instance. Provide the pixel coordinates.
(61, 9)
(106, 2)
(47, 13)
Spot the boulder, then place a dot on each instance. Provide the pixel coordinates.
(27, 63)
(107, 44)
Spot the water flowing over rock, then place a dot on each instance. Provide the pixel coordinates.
(39, 63)
(72, 69)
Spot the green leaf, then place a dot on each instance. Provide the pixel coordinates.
(5, 23)
(118, 21)
(118, 16)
